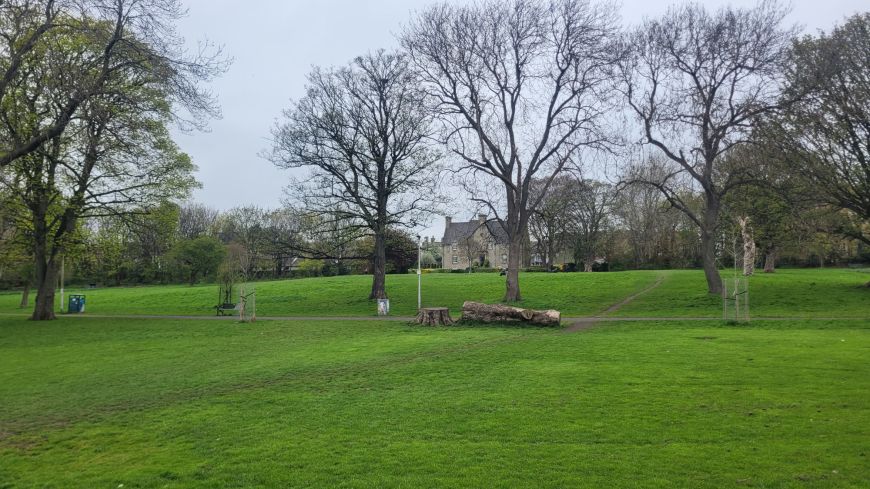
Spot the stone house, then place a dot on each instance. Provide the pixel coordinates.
(477, 242)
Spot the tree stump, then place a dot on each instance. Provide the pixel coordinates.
(498, 313)
(434, 316)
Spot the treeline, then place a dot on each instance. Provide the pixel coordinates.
(190, 243)
(579, 222)
(733, 118)
(589, 225)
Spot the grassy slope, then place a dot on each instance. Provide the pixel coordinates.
(162, 403)
(788, 292)
(574, 294)
(827, 293)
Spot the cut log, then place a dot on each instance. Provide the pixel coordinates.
(434, 316)
(498, 313)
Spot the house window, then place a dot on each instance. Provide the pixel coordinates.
(455, 259)
(453, 248)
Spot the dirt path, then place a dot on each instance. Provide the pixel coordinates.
(581, 324)
(634, 296)
(222, 318)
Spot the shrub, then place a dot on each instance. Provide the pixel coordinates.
(310, 268)
(534, 269)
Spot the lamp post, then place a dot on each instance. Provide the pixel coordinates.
(62, 266)
(419, 274)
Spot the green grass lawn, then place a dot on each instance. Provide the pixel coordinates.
(168, 403)
(811, 293)
(575, 293)
(788, 292)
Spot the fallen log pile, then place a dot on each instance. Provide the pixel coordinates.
(498, 313)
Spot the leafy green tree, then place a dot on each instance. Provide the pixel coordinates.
(42, 60)
(827, 134)
(428, 260)
(310, 268)
(129, 248)
(198, 258)
(115, 158)
(773, 201)
(16, 261)
(151, 236)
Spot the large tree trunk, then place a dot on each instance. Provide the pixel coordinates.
(379, 268)
(588, 263)
(498, 313)
(45, 268)
(512, 282)
(748, 246)
(708, 246)
(434, 316)
(550, 251)
(525, 247)
(770, 260)
(46, 280)
(25, 293)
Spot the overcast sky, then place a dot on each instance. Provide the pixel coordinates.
(276, 42)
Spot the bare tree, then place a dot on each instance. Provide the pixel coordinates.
(195, 220)
(471, 248)
(552, 220)
(521, 88)
(245, 225)
(362, 131)
(641, 213)
(697, 82)
(591, 212)
(281, 237)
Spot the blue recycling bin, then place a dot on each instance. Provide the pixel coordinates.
(76, 304)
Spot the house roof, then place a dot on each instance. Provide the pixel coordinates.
(456, 231)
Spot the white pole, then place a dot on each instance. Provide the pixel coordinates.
(62, 266)
(419, 275)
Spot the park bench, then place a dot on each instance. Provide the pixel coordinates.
(226, 309)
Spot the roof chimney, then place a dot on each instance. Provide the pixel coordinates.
(481, 218)
(447, 220)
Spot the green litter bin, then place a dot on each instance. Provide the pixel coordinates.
(76, 304)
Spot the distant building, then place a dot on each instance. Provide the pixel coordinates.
(478, 242)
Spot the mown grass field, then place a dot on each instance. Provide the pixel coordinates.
(813, 292)
(169, 403)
